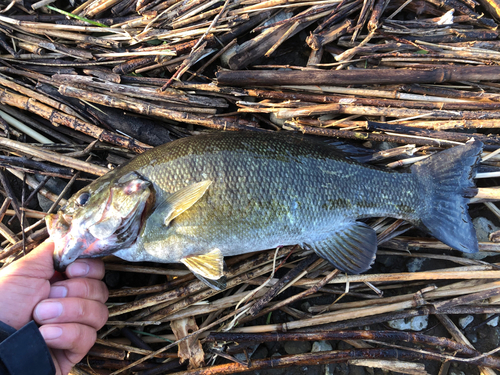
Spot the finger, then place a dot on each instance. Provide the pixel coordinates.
(75, 339)
(93, 268)
(71, 310)
(80, 288)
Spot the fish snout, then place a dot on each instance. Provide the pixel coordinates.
(59, 264)
(67, 250)
(58, 229)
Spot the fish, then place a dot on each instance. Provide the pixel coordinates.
(201, 198)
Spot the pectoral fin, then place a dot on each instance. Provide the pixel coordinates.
(183, 199)
(351, 249)
(209, 268)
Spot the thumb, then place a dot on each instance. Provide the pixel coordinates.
(37, 264)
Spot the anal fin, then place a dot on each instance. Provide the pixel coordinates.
(351, 249)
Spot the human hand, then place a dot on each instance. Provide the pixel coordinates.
(69, 312)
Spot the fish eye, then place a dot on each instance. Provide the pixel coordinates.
(82, 199)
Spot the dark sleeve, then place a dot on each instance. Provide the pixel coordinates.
(24, 352)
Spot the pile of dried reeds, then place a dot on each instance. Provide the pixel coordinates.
(85, 88)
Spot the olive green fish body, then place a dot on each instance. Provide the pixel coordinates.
(264, 194)
(233, 193)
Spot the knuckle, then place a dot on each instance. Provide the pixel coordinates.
(104, 291)
(86, 288)
(102, 316)
(96, 290)
(84, 338)
(97, 267)
(91, 336)
(81, 310)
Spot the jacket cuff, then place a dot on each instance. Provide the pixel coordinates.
(24, 351)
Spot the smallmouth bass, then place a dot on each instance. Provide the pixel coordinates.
(200, 198)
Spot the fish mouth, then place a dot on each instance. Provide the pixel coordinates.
(66, 248)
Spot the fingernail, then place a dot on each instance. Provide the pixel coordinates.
(77, 269)
(58, 292)
(50, 333)
(48, 310)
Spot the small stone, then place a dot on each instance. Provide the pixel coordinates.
(280, 16)
(321, 346)
(112, 278)
(297, 347)
(341, 369)
(463, 322)
(44, 203)
(260, 353)
(228, 54)
(415, 264)
(356, 370)
(472, 337)
(484, 228)
(493, 322)
(275, 120)
(417, 323)
(251, 352)
(342, 345)
(56, 186)
(305, 306)
(488, 338)
(275, 371)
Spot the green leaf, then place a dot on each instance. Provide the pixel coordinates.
(268, 320)
(75, 16)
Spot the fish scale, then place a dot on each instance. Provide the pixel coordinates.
(225, 194)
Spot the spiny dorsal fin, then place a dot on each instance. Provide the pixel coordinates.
(209, 266)
(184, 198)
(351, 249)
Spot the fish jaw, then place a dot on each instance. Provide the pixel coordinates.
(58, 229)
(69, 246)
(69, 249)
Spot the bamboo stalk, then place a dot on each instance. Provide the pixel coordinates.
(224, 123)
(354, 77)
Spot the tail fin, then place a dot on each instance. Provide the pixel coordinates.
(446, 179)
